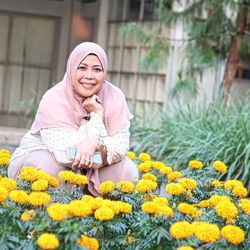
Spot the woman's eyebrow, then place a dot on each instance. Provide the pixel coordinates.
(85, 64)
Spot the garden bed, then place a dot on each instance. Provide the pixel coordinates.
(197, 211)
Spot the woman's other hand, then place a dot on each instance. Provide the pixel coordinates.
(93, 104)
(84, 153)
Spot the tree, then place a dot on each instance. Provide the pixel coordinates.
(216, 32)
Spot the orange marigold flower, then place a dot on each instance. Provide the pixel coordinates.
(88, 242)
(28, 215)
(207, 232)
(181, 230)
(48, 241)
(233, 234)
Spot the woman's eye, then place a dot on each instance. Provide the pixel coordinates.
(82, 68)
(97, 69)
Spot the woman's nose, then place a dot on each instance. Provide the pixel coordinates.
(88, 74)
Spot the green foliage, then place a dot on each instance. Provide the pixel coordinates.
(209, 25)
(30, 107)
(156, 45)
(207, 133)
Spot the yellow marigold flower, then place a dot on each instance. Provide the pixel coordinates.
(39, 185)
(28, 215)
(106, 187)
(244, 204)
(58, 212)
(88, 242)
(79, 179)
(231, 184)
(28, 173)
(96, 203)
(195, 164)
(53, 182)
(4, 152)
(226, 210)
(18, 196)
(240, 192)
(216, 199)
(204, 203)
(174, 175)
(197, 223)
(143, 186)
(124, 207)
(4, 160)
(79, 208)
(174, 188)
(104, 213)
(38, 199)
(8, 183)
(185, 248)
(166, 170)
(197, 213)
(160, 200)
(216, 183)
(233, 234)
(164, 210)
(144, 166)
(149, 207)
(187, 193)
(130, 240)
(131, 155)
(4, 157)
(219, 166)
(207, 232)
(41, 175)
(87, 198)
(158, 165)
(186, 208)
(148, 197)
(187, 183)
(181, 230)
(111, 204)
(48, 241)
(149, 176)
(66, 175)
(125, 186)
(144, 157)
(3, 194)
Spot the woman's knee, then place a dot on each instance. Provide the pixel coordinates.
(43, 160)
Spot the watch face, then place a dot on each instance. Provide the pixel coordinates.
(97, 158)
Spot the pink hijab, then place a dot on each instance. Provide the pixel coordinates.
(60, 107)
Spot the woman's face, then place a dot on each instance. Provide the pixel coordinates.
(89, 76)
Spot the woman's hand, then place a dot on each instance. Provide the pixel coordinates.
(93, 104)
(84, 153)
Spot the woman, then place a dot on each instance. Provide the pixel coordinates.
(83, 111)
